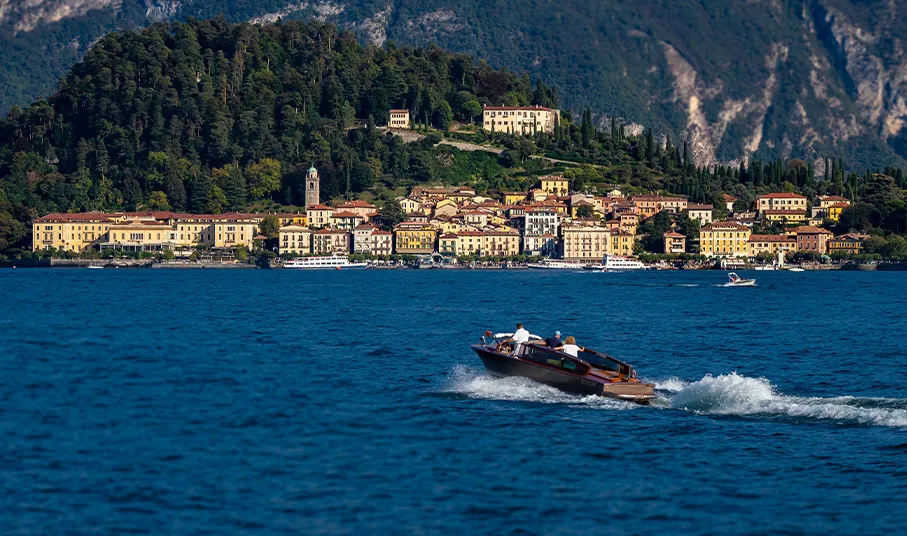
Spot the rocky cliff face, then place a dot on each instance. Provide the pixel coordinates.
(743, 79)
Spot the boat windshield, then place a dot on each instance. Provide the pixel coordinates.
(604, 362)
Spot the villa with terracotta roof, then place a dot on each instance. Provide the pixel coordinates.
(814, 239)
(781, 201)
(294, 240)
(319, 215)
(724, 239)
(330, 241)
(771, 244)
(702, 213)
(648, 205)
(364, 209)
(851, 243)
(675, 242)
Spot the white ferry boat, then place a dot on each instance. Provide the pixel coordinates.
(614, 263)
(331, 262)
(550, 264)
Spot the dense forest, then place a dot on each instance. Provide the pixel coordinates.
(209, 116)
(812, 76)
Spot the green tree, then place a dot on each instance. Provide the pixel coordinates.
(232, 183)
(11, 231)
(158, 201)
(242, 253)
(390, 215)
(263, 178)
(269, 226)
(444, 116)
(584, 211)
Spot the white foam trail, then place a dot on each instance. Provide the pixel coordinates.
(733, 394)
(672, 384)
(474, 384)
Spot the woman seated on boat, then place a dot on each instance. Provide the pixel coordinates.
(570, 348)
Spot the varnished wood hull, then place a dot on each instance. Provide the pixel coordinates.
(502, 365)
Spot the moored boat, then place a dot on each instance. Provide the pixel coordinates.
(549, 264)
(329, 262)
(616, 263)
(588, 373)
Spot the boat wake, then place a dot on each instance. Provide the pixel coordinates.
(733, 394)
(468, 382)
(727, 394)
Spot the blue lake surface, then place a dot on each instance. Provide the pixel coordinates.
(280, 402)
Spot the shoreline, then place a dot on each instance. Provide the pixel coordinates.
(143, 264)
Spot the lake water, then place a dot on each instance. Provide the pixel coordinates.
(268, 402)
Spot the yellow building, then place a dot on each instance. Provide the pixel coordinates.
(622, 243)
(140, 236)
(724, 239)
(470, 243)
(826, 201)
(290, 219)
(513, 198)
(771, 244)
(834, 211)
(194, 231)
(555, 185)
(414, 237)
(230, 231)
(399, 119)
(785, 217)
(585, 242)
(520, 120)
(675, 243)
(295, 240)
(409, 205)
(651, 204)
(500, 243)
(70, 232)
(447, 244)
(849, 243)
(319, 216)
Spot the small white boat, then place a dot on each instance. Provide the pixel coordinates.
(737, 281)
(767, 268)
(94, 267)
(331, 262)
(549, 264)
(796, 270)
(616, 263)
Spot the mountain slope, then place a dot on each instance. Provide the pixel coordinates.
(771, 78)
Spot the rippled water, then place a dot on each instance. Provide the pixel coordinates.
(156, 401)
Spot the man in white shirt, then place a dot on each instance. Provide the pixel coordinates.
(519, 337)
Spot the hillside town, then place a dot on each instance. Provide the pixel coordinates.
(550, 220)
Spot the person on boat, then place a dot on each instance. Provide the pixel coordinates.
(570, 348)
(555, 341)
(519, 337)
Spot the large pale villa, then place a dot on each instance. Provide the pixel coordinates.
(519, 119)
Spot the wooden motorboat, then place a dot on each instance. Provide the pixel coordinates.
(589, 373)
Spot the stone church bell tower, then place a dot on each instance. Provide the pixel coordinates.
(312, 187)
